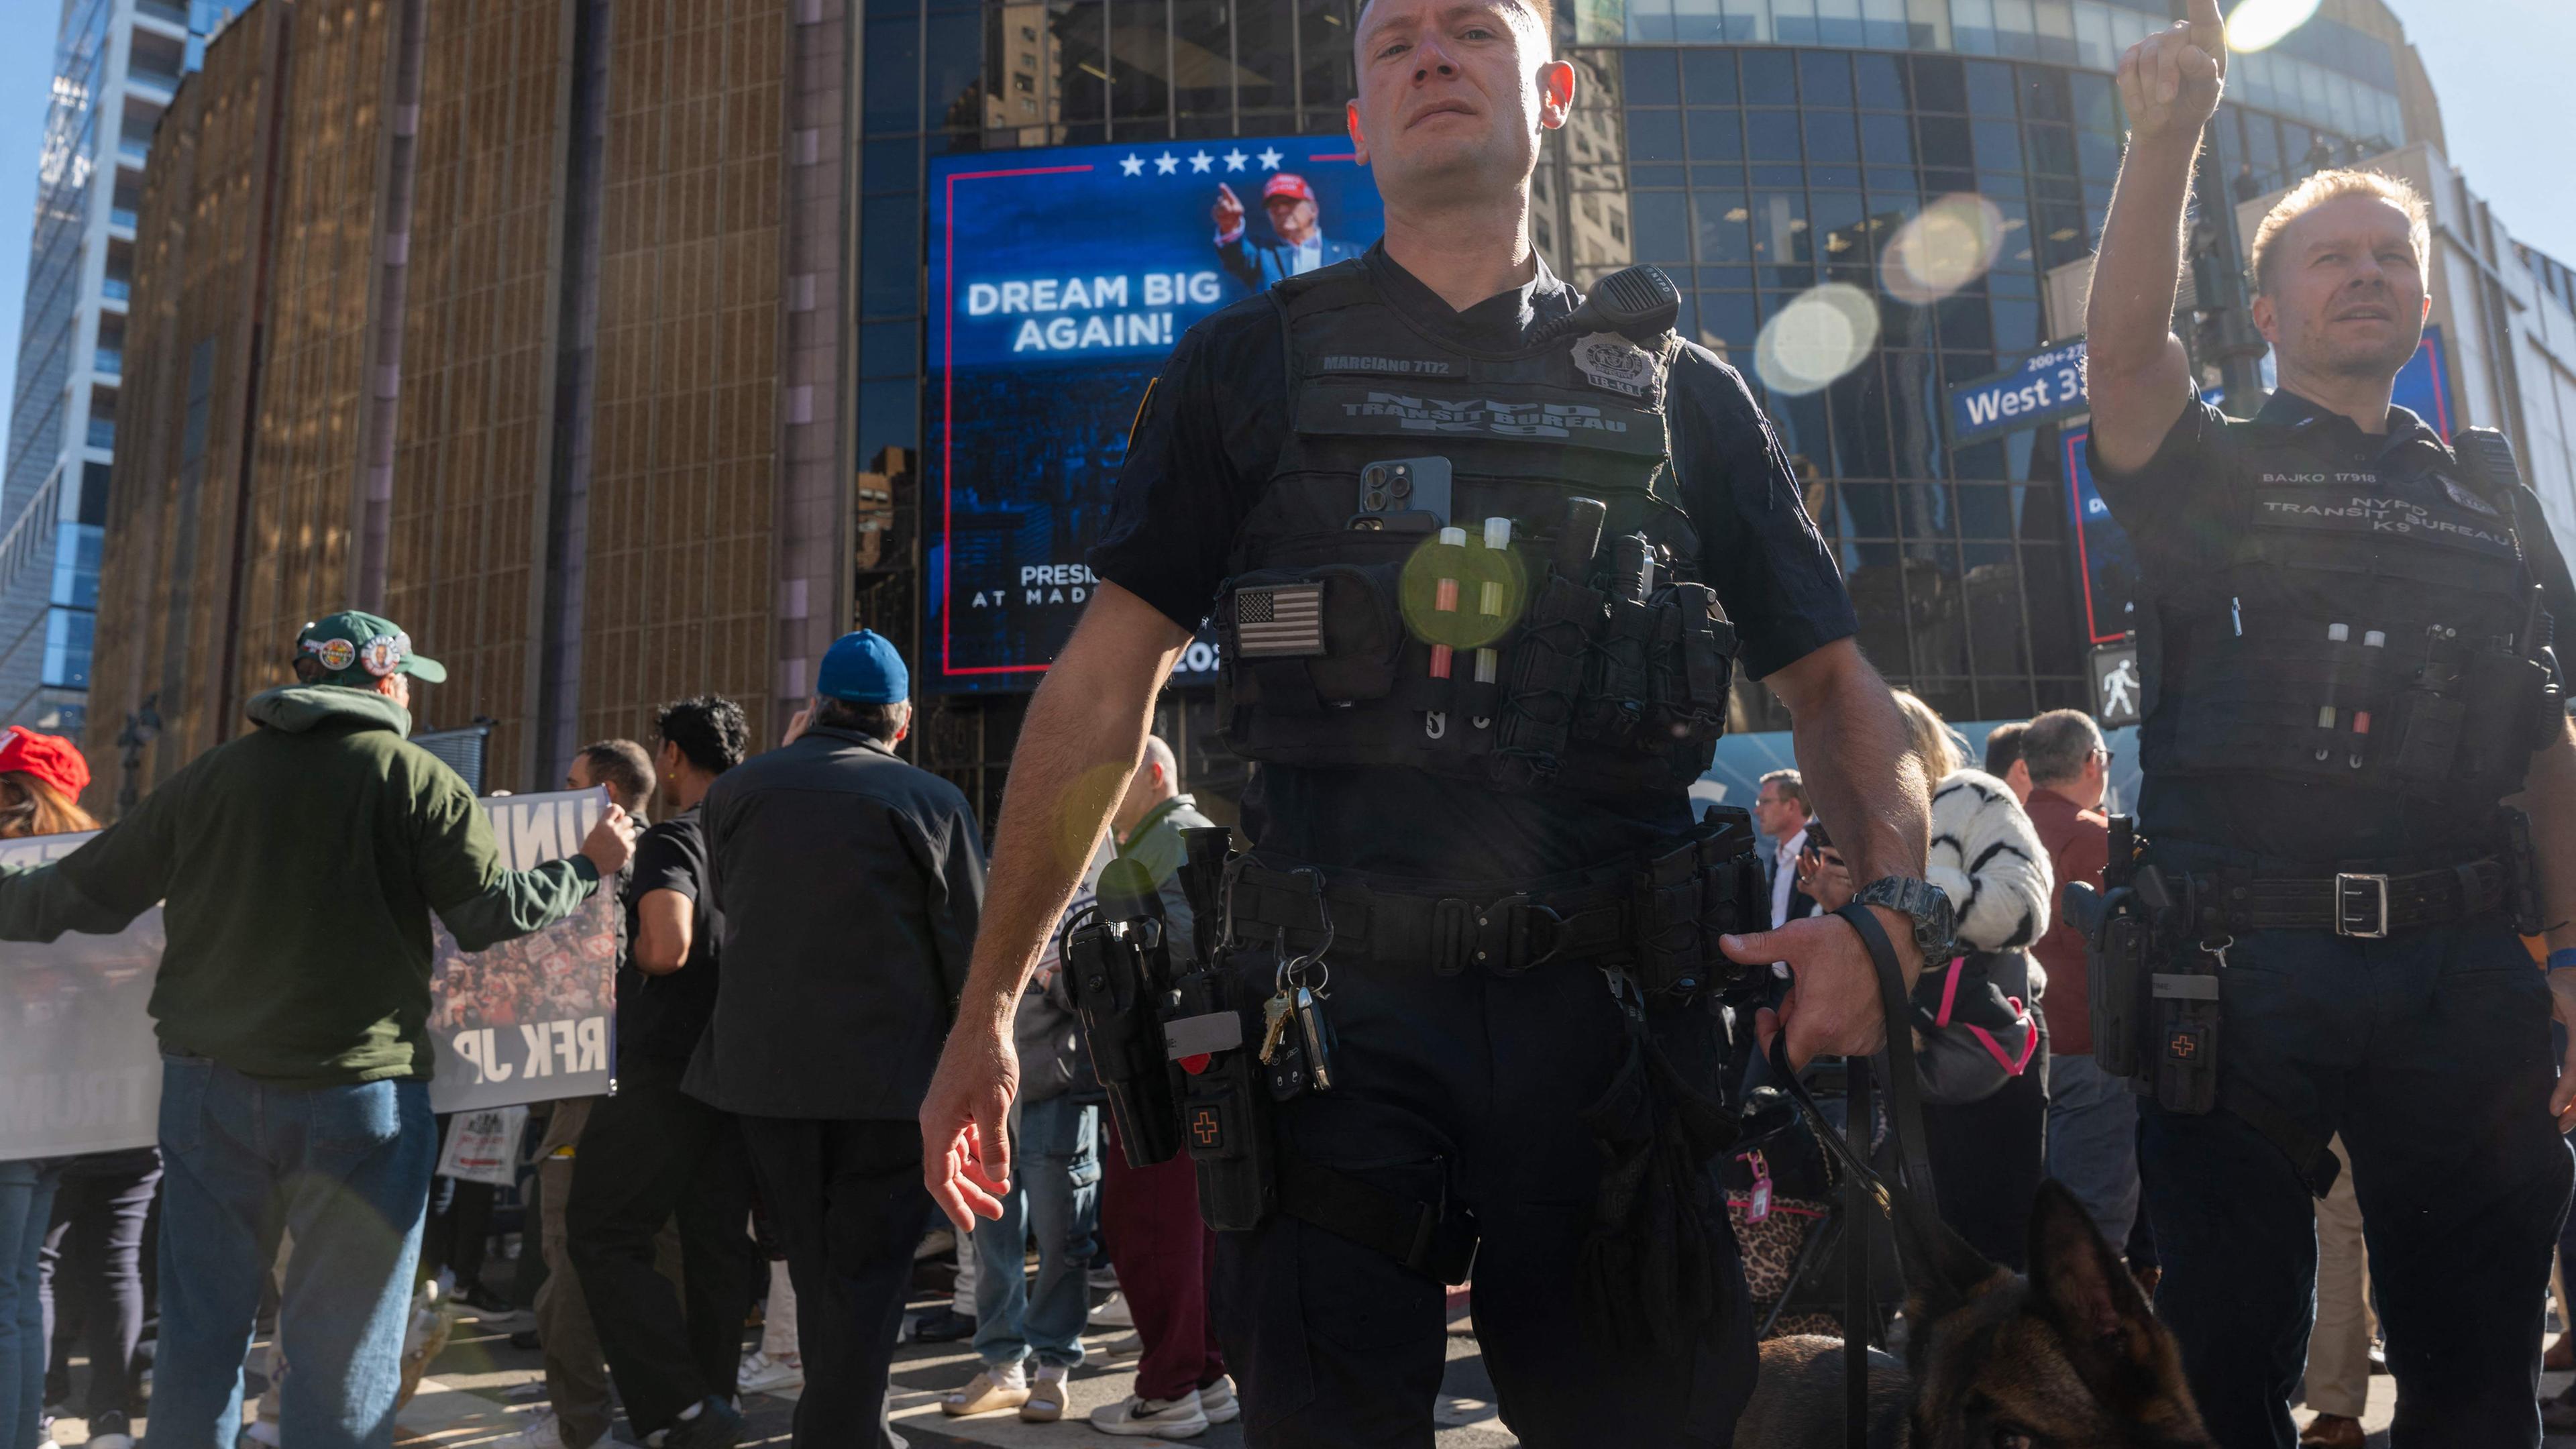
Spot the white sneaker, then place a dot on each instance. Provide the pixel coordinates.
(1113, 1313)
(989, 1392)
(1047, 1394)
(543, 1432)
(1181, 1418)
(1102, 1278)
(762, 1374)
(1219, 1401)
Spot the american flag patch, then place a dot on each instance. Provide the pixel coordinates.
(1279, 621)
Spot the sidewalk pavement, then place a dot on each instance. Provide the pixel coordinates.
(481, 1389)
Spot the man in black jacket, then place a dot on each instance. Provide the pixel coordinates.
(849, 885)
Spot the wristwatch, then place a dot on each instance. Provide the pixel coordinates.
(1928, 904)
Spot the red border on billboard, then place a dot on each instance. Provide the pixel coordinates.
(2074, 446)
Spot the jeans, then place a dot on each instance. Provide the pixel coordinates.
(2429, 1052)
(2093, 1141)
(346, 1169)
(1055, 1192)
(94, 1266)
(26, 1207)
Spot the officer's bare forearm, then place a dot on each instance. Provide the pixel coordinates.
(1084, 731)
(1867, 789)
(2549, 799)
(2136, 370)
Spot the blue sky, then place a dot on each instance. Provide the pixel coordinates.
(2500, 66)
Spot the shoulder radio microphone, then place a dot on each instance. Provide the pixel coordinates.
(1639, 303)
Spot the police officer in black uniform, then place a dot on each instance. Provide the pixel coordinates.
(1473, 843)
(2345, 629)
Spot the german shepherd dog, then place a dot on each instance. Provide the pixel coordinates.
(2069, 1357)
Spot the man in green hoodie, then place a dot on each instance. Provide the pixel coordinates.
(297, 866)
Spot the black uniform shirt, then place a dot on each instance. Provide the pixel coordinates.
(849, 883)
(663, 1016)
(1212, 432)
(2184, 511)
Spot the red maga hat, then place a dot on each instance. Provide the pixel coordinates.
(1288, 183)
(50, 758)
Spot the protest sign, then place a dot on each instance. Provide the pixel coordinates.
(527, 1021)
(483, 1146)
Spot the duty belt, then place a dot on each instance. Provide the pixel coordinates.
(2366, 905)
(1664, 912)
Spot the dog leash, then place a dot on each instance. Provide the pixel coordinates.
(1863, 1188)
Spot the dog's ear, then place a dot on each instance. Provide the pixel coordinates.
(1941, 1271)
(2083, 1285)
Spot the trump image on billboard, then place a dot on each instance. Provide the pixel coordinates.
(1060, 280)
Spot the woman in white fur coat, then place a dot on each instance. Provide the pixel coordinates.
(1988, 1155)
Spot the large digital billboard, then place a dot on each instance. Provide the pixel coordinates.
(1060, 280)
(2106, 565)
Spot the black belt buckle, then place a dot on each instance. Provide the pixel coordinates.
(2361, 905)
(1496, 936)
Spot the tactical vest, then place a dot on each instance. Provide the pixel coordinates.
(2375, 626)
(1355, 633)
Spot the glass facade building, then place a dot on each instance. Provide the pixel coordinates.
(1755, 150)
(117, 64)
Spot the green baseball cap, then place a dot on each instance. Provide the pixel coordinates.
(358, 649)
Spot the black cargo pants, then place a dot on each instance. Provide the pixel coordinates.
(2430, 1052)
(1476, 1080)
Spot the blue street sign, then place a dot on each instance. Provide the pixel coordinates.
(2049, 385)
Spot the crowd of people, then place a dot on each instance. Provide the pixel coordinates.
(783, 914)
(2005, 839)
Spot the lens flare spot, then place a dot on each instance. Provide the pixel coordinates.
(1951, 244)
(1093, 794)
(2260, 24)
(1463, 595)
(1818, 337)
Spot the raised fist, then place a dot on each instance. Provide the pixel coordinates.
(1228, 211)
(2170, 81)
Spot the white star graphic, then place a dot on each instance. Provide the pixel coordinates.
(1235, 158)
(1270, 159)
(1201, 162)
(1166, 164)
(1134, 165)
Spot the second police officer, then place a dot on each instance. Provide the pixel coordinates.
(2345, 629)
(1465, 827)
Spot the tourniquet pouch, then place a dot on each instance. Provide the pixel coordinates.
(2186, 1014)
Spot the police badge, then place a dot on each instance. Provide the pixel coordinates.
(1611, 361)
(2466, 497)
